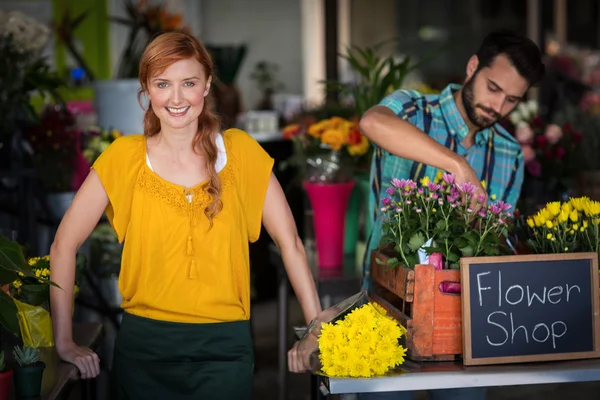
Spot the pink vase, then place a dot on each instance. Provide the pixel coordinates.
(329, 203)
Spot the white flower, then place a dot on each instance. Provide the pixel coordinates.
(515, 117)
(525, 111)
(28, 33)
(533, 106)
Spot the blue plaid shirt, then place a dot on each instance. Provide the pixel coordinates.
(496, 156)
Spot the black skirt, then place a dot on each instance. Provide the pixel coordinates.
(167, 360)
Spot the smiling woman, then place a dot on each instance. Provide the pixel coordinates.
(186, 199)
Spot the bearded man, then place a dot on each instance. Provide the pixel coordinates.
(417, 136)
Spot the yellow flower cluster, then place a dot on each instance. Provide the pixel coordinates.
(363, 344)
(337, 132)
(40, 266)
(565, 227)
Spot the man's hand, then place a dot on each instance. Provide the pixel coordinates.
(299, 357)
(84, 359)
(465, 174)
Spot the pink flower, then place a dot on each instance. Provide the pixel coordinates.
(524, 134)
(386, 201)
(399, 183)
(390, 191)
(467, 187)
(559, 153)
(448, 178)
(435, 259)
(528, 153)
(433, 186)
(553, 133)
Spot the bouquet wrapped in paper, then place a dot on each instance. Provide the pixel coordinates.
(355, 338)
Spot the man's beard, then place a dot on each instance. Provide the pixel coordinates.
(468, 99)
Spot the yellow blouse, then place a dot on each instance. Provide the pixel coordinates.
(173, 267)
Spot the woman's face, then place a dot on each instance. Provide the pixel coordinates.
(177, 95)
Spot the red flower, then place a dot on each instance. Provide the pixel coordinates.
(541, 141)
(537, 122)
(576, 137)
(291, 131)
(559, 153)
(354, 136)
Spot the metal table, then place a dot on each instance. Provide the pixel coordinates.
(451, 375)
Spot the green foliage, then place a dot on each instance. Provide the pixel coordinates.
(377, 75)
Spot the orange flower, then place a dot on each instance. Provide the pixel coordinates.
(316, 130)
(335, 138)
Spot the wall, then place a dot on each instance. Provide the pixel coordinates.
(270, 28)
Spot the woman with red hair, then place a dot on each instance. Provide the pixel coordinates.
(185, 200)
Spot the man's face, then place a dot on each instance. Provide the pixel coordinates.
(491, 93)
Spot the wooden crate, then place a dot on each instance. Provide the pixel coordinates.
(433, 319)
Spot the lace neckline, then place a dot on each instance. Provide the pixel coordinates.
(221, 165)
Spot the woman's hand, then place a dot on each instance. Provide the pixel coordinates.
(84, 359)
(299, 357)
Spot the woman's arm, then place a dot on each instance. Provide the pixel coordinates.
(279, 223)
(79, 221)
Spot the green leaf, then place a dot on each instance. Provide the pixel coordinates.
(35, 294)
(11, 261)
(416, 241)
(466, 251)
(392, 261)
(413, 259)
(8, 314)
(452, 257)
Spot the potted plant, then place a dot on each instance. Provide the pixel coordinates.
(28, 372)
(6, 375)
(324, 154)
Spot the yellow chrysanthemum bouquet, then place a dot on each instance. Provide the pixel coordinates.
(360, 340)
(328, 149)
(565, 227)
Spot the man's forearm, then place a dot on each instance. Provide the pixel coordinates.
(402, 139)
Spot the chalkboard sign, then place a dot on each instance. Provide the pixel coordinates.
(530, 308)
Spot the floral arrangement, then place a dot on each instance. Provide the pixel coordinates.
(328, 149)
(436, 218)
(551, 151)
(96, 140)
(565, 227)
(363, 344)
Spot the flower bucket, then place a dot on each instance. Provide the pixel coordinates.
(329, 202)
